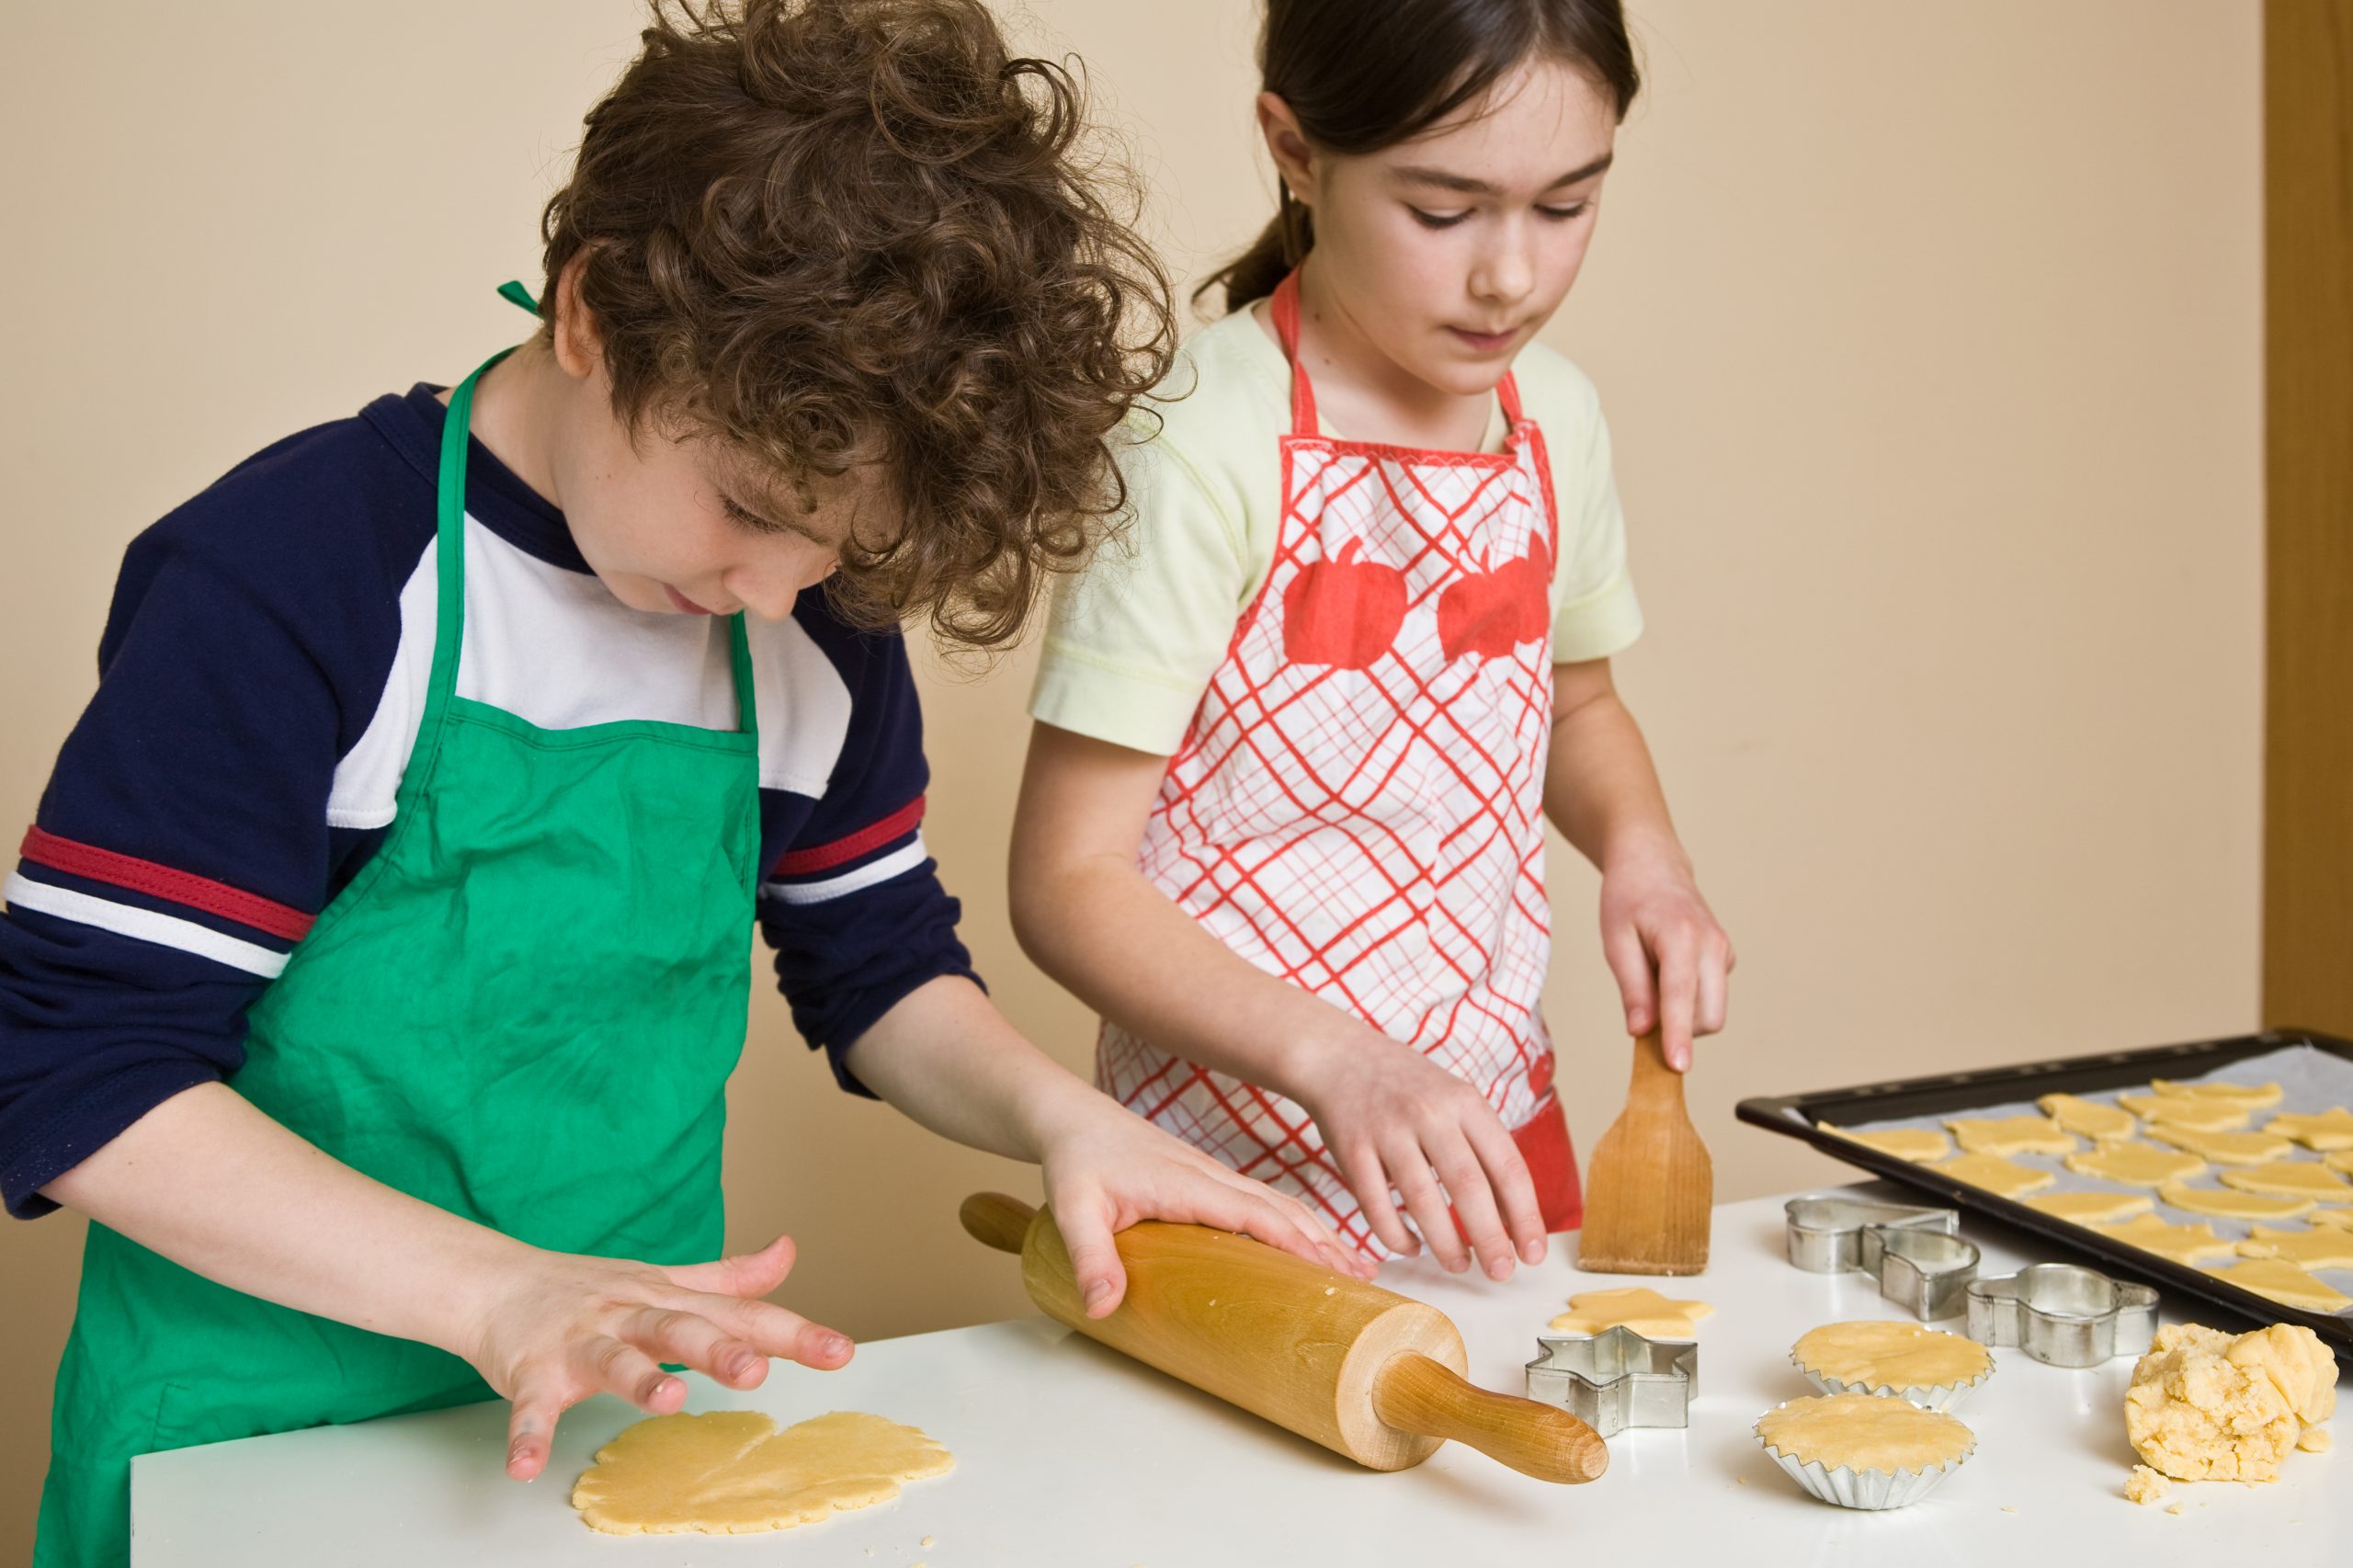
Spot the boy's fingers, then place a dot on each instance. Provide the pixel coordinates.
(1371, 1184)
(1678, 993)
(1514, 1189)
(618, 1366)
(1630, 963)
(772, 1331)
(1418, 1185)
(747, 1273)
(1094, 1262)
(1474, 1206)
(530, 1427)
(669, 1334)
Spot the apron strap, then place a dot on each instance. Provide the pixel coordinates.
(747, 719)
(1303, 396)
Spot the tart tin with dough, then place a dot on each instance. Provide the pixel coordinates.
(1916, 1449)
(1893, 1358)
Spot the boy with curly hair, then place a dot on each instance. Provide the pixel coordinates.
(373, 971)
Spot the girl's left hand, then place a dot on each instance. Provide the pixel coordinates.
(1106, 1169)
(1672, 959)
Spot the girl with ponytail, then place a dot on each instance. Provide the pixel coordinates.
(1299, 734)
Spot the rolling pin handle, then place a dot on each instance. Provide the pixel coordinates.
(997, 1221)
(1414, 1393)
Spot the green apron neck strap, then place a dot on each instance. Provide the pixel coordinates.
(514, 293)
(450, 548)
(746, 709)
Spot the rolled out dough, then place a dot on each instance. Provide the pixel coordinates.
(732, 1473)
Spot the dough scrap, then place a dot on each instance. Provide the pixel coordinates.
(2330, 1129)
(2341, 1161)
(2280, 1280)
(2011, 1135)
(2204, 1113)
(1863, 1431)
(2226, 1148)
(2092, 1208)
(2205, 1405)
(2255, 1096)
(1996, 1174)
(2145, 1485)
(2321, 1247)
(2136, 1164)
(2183, 1244)
(1880, 1353)
(2100, 1123)
(2296, 1178)
(1638, 1307)
(2340, 1218)
(2226, 1204)
(732, 1473)
(1916, 1144)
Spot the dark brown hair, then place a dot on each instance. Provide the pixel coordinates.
(1359, 85)
(836, 234)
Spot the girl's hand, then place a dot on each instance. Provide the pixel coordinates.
(1394, 1119)
(1106, 1169)
(1672, 960)
(560, 1327)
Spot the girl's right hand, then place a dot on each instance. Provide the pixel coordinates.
(1393, 1118)
(560, 1326)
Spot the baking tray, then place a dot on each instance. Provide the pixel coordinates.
(1955, 1093)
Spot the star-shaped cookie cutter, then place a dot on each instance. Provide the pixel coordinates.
(1617, 1378)
(2062, 1314)
(1918, 1254)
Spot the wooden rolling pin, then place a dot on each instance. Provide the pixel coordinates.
(1364, 1371)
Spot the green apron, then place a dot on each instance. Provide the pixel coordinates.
(523, 1009)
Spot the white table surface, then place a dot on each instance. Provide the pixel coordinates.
(1069, 1454)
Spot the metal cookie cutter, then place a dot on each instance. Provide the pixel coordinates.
(1921, 1263)
(1617, 1378)
(2062, 1314)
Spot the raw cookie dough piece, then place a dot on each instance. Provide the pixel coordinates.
(1880, 1355)
(2205, 1405)
(1996, 1174)
(1916, 1144)
(2281, 1281)
(2136, 1164)
(1640, 1308)
(2331, 1129)
(1861, 1431)
(2183, 1244)
(2011, 1135)
(2145, 1485)
(2092, 1208)
(2324, 1246)
(2226, 1148)
(732, 1472)
(2100, 1123)
(2225, 1204)
(2202, 1113)
(2341, 1161)
(2255, 1096)
(2296, 1178)
(2340, 1218)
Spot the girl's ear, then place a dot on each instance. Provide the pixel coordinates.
(579, 346)
(1286, 144)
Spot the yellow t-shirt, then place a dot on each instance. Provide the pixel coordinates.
(1133, 640)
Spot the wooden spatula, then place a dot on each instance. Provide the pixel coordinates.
(1650, 1186)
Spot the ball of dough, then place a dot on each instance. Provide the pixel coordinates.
(2205, 1405)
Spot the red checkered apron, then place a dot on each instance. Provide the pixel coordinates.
(1358, 805)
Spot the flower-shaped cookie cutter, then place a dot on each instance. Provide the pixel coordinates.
(2062, 1314)
(1922, 1263)
(1617, 1378)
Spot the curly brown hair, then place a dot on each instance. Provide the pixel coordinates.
(845, 234)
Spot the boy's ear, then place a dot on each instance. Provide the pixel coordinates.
(1286, 144)
(579, 346)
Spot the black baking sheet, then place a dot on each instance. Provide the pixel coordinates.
(1960, 1094)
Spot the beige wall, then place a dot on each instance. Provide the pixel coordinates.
(1930, 339)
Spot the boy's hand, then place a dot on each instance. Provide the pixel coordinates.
(1672, 960)
(1109, 1168)
(1394, 1119)
(562, 1326)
